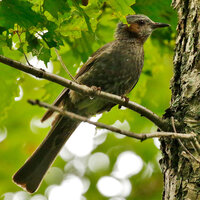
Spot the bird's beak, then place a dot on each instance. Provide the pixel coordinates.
(159, 25)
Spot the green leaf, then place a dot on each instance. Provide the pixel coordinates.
(37, 48)
(33, 42)
(73, 26)
(55, 7)
(44, 55)
(83, 14)
(52, 39)
(18, 12)
(122, 7)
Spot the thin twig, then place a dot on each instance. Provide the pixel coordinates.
(83, 89)
(64, 66)
(180, 142)
(20, 41)
(141, 137)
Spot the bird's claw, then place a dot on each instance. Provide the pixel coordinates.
(96, 89)
(126, 99)
(42, 69)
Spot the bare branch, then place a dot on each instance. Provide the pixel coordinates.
(83, 89)
(141, 137)
(64, 66)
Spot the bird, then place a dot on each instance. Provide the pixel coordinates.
(114, 68)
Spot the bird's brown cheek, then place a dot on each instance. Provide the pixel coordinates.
(134, 28)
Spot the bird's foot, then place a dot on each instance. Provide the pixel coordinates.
(96, 89)
(42, 69)
(126, 99)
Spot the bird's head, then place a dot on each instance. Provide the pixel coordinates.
(138, 26)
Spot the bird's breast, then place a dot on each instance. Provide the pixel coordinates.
(116, 70)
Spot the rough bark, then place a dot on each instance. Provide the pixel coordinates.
(181, 171)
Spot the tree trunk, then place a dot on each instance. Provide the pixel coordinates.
(181, 171)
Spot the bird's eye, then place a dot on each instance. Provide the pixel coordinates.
(141, 22)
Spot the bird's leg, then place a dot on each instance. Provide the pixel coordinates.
(126, 100)
(96, 89)
(42, 70)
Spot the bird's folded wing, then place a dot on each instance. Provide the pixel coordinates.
(58, 102)
(92, 59)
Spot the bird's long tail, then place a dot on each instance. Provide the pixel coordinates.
(30, 175)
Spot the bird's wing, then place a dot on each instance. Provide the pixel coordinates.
(91, 60)
(59, 100)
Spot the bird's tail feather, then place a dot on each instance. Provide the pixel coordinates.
(30, 175)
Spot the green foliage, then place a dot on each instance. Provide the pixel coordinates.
(20, 13)
(8, 89)
(35, 28)
(122, 7)
(54, 7)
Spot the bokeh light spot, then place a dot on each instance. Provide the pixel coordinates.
(81, 142)
(21, 196)
(36, 124)
(38, 197)
(117, 198)
(54, 176)
(8, 196)
(98, 162)
(70, 189)
(156, 142)
(40, 64)
(109, 186)
(122, 125)
(127, 164)
(3, 133)
(76, 166)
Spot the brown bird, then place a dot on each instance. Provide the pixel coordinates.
(115, 68)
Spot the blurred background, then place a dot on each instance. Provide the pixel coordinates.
(94, 163)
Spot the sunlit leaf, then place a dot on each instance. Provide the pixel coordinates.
(54, 7)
